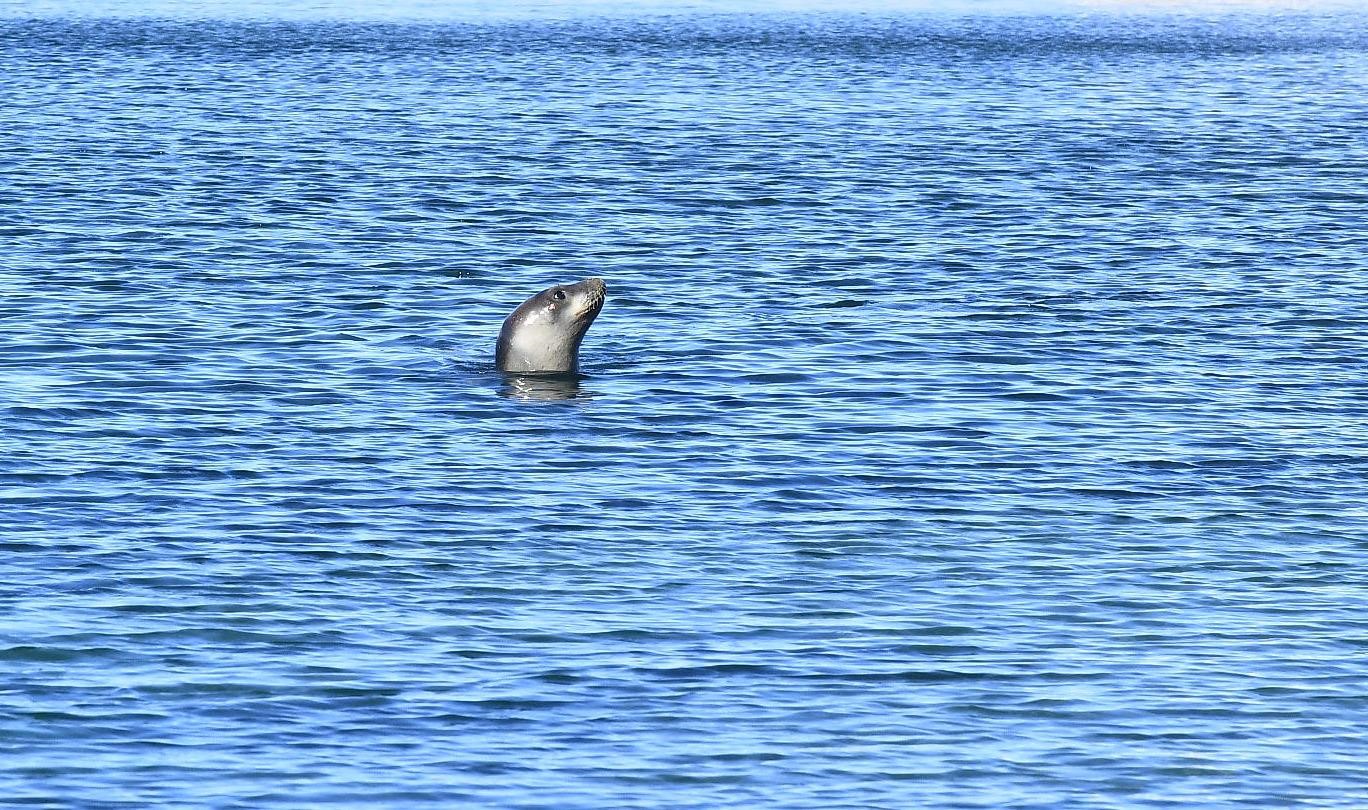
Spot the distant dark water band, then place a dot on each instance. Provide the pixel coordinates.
(977, 37)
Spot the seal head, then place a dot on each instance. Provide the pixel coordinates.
(543, 335)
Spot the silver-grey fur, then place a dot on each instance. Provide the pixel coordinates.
(543, 335)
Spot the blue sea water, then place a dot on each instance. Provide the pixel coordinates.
(976, 420)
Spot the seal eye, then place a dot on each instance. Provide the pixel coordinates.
(560, 295)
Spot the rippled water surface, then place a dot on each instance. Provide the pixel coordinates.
(977, 417)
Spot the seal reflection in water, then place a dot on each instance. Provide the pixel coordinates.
(543, 335)
(543, 387)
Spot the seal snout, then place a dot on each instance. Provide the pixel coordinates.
(597, 291)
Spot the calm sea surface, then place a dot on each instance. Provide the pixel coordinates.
(978, 418)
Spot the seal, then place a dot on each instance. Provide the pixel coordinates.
(543, 335)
